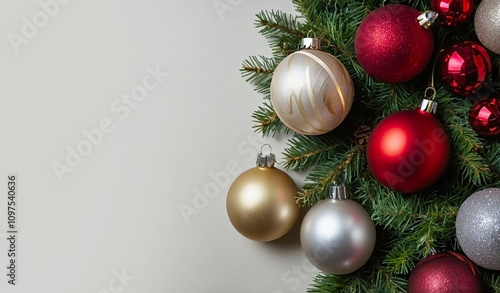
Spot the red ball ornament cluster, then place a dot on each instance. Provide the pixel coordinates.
(464, 67)
(484, 117)
(444, 273)
(453, 12)
(393, 44)
(408, 151)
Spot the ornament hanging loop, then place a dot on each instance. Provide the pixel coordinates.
(264, 145)
(430, 93)
(309, 34)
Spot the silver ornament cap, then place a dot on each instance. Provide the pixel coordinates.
(428, 106)
(478, 228)
(265, 160)
(310, 43)
(427, 19)
(337, 234)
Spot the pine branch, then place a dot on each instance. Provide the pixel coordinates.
(258, 70)
(325, 174)
(303, 151)
(267, 121)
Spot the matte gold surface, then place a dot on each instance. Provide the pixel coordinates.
(261, 203)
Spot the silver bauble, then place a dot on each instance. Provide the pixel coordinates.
(487, 24)
(478, 228)
(337, 234)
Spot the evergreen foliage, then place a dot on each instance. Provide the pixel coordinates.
(409, 227)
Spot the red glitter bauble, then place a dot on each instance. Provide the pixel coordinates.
(464, 67)
(408, 151)
(453, 12)
(446, 272)
(391, 46)
(484, 116)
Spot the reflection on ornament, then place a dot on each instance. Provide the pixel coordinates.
(484, 117)
(464, 67)
(453, 12)
(261, 201)
(311, 90)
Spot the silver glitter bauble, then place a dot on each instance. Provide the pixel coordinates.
(487, 24)
(337, 234)
(478, 228)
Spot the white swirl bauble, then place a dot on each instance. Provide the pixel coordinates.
(311, 91)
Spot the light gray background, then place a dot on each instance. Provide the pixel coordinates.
(118, 210)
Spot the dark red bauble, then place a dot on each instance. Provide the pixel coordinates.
(408, 151)
(446, 272)
(464, 67)
(391, 46)
(484, 117)
(453, 12)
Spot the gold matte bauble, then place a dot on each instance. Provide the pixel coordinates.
(261, 203)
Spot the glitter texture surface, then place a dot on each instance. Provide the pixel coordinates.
(478, 228)
(487, 24)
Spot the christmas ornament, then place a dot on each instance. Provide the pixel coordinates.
(337, 234)
(446, 272)
(409, 150)
(464, 67)
(484, 117)
(478, 228)
(261, 201)
(311, 91)
(393, 44)
(452, 12)
(487, 24)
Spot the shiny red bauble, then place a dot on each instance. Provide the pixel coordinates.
(484, 117)
(446, 272)
(464, 67)
(408, 151)
(453, 12)
(391, 46)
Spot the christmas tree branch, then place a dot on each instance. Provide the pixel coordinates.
(267, 122)
(325, 174)
(258, 70)
(304, 152)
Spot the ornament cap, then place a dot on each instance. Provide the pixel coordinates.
(428, 106)
(310, 43)
(337, 192)
(265, 160)
(427, 18)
